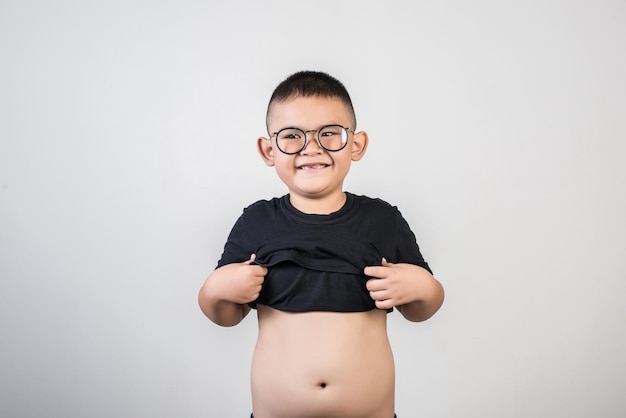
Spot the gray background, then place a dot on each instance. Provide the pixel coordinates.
(127, 151)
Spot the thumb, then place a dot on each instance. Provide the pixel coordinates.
(251, 260)
(386, 263)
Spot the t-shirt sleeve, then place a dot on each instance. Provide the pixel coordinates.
(407, 249)
(238, 247)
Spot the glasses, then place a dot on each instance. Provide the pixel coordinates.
(330, 137)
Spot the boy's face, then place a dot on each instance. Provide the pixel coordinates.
(312, 173)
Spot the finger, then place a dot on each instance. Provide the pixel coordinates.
(380, 296)
(375, 285)
(384, 304)
(257, 291)
(250, 260)
(260, 271)
(379, 272)
(386, 263)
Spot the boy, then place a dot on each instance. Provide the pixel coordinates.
(321, 266)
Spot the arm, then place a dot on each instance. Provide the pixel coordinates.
(416, 293)
(224, 295)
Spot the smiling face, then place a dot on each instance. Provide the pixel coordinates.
(313, 176)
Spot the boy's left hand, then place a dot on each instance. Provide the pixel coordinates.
(396, 284)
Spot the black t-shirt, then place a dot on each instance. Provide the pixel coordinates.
(316, 262)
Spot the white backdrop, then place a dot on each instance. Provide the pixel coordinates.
(127, 151)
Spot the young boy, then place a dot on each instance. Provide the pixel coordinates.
(322, 267)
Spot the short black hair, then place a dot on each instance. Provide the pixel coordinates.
(308, 84)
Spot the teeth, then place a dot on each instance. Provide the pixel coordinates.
(313, 166)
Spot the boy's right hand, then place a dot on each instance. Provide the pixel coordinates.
(238, 282)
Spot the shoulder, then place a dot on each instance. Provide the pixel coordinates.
(372, 203)
(261, 207)
(262, 213)
(257, 220)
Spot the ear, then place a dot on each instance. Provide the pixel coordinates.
(360, 141)
(264, 147)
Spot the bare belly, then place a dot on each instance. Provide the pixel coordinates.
(322, 364)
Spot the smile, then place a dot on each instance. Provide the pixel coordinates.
(312, 166)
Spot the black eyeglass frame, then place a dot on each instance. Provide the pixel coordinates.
(306, 139)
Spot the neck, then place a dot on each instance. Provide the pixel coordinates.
(318, 206)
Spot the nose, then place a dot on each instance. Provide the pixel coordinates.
(311, 138)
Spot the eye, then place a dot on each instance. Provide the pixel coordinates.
(290, 134)
(331, 131)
